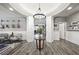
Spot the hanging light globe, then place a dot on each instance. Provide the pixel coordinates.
(39, 15)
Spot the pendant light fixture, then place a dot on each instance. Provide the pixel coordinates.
(39, 15)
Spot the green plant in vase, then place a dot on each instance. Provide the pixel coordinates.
(40, 31)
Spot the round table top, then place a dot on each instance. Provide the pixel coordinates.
(39, 39)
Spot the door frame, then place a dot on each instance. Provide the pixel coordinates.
(64, 30)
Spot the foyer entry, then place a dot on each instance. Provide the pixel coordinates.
(62, 30)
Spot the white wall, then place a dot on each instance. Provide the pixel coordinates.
(6, 14)
(49, 29)
(30, 28)
(58, 20)
(73, 17)
(56, 35)
(22, 23)
(13, 21)
(73, 36)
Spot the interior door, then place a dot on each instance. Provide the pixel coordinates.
(62, 30)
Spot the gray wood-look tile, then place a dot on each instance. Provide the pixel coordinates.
(57, 47)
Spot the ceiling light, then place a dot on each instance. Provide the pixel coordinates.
(69, 8)
(39, 15)
(11, 9)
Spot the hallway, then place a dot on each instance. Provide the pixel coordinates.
(61, 47)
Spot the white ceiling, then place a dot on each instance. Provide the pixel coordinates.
(45, 8)
(32, 8)
(7, 6)
(65, 12)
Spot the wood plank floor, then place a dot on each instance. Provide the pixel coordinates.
(60, 47)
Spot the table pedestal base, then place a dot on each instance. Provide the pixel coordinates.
(40, 43)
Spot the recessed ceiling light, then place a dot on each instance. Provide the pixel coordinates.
(11, 9)
(69, 8)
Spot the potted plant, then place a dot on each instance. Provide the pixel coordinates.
(40, 31)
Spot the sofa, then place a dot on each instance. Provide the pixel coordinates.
(3, 37)
(16, 38)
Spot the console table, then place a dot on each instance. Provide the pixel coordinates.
(40, 43)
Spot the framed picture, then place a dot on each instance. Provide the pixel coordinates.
(18, 20)
(13, 25)
(13, 20)
(56, 26)
(3, 26)
(18, 25)
(7, 21)
(2, 20)
(7, 26)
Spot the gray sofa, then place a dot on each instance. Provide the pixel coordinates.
(3, 36)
